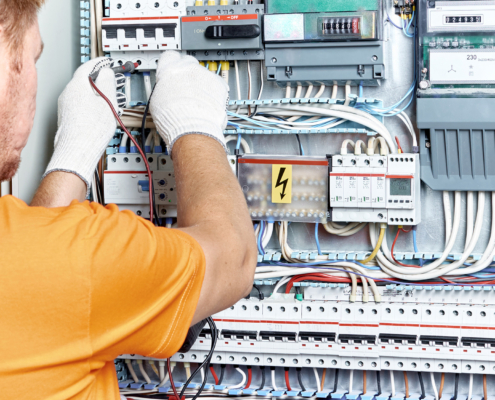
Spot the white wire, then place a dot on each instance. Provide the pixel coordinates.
(318, 384)
(309, 91)
(281, 283)
(131, 370)
(347, 94)
(237, 80)
(392, 383)
(161, 370)
(335, 90)
(298, 91)
(262, 67)
(267, 235)
(447, 215)
(320, 92)
(273, 380)
(470, 392)
(287, 91)
(143, 372)
(243, 382)
(202, 374)
(99, 18)
(92, 29)
(147, 85)
(435, 390)
(244, 144)
(469, 218)
(165, 378)
(249, 79)
(351, 376)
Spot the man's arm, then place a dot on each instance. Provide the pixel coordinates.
(58, 189)
(213, 210)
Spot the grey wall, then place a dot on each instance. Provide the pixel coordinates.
(59, 25)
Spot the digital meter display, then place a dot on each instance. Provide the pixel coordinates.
(463, 19)
(400, 187)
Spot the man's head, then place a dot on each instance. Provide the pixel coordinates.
(20, 48)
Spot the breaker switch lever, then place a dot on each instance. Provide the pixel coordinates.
(232, 31)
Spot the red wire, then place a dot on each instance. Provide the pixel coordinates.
(172, 379)
(132, 140)
(315, 277)
(250, 376)
(392, 252)
(212, 370)
(398, 144)
(287, 380)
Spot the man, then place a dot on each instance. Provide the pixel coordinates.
(82, 283)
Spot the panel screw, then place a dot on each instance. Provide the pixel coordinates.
(374, 58)
(274, 60)
(427, 145)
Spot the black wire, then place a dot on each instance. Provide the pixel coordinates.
(456, 386)
(422, 384)
(206, 363)
(300, 145)
(222, 372)
(261, 296)
(299, 379)
(378, 384)
(262, 368)
(336, 382)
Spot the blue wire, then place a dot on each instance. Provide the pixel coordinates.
(317, 240)
(361, 89)
(415, 244)
(390, 19)
(260, 236)
(219, 67)
(238, 145)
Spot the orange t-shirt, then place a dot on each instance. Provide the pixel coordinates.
(81, 285)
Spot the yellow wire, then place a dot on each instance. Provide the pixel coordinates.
(378, 245)
(153, 367)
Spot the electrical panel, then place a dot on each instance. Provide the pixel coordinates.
(337, 41)
(230, 32)
(456, 75)
(366, 268)
(376, 189)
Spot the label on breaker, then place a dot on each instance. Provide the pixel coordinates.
(281, 183)
(462, 66)
(378, 191)
(336, 190)
(350, 191)
(364, 191)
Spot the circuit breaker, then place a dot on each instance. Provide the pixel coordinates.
(455, 96)
(376, 189)
(331, 41)
(222, 33)
(139, 31)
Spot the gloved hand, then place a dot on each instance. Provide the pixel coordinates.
(188, 99)
(85, 122)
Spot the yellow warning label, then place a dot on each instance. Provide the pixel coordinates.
(281, 183)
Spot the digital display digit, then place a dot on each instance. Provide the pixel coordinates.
(463, 19)
(400, 187)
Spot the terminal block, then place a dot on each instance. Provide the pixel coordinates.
(376, 189)
(327, 42)
(285, 188)
(223, 32)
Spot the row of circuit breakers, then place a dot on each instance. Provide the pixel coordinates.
(341, 188)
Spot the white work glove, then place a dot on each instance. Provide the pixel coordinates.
(85, 121)
(188, 99)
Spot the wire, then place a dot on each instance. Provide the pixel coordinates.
(212, 369)
(262, 385)
(143, 371)
(172, 384)
(485, 390)
(143, 155)
(323, 376)
(434, 386)
(243, 382)
(392, 22)
(250, 377)
(351, 378)
(272, 373)
(336, 381)
(317, 240)
(442, 382)
(377, 247)
(131, 370)
(317, 378)
(237, 80)
(364, 382)
(299, 379)
(301, 150)
(222, 373)
(378, 384)
(392, 383)
(422, 385)
(456, 386)
(406, 384)
(470, 391)
(287, 382)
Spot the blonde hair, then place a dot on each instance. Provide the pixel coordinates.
(16, 17)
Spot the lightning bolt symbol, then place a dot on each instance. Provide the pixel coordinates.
(281, 182)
